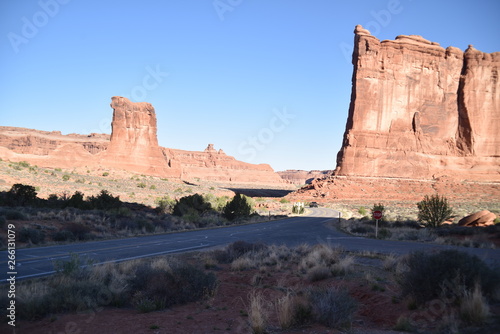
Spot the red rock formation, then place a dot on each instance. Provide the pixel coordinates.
(481, 218)
(133, 146)
(419, 110)
(422, 119)
(301, 177)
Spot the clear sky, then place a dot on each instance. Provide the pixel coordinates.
(268, 81)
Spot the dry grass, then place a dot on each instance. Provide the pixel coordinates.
(257, 313)
(243, 263)
(285, 309)
(474, 307)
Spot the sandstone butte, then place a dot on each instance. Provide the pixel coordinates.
(132, 146)
(422, 119)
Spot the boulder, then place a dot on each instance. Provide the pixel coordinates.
(481, 218)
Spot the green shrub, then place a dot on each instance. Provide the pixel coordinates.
(31, 235)
(66, 177)
(284, 201)
(105, 174)
(141, 185)
(20, 195)
(332, 307)
(434, 210)
(430, 275)
(187, 204)
(238, 207)
(104, 201)
(77, 201)
(362, 211)
(164, 204)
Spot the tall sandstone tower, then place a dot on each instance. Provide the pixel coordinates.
(420, 111)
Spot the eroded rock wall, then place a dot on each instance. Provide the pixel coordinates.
(133, 146)
(421, 111)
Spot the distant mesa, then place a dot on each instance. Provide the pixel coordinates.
(132, 146)
(301, 177)
(422, 119)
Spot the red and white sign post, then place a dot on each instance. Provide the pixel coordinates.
(377, 215)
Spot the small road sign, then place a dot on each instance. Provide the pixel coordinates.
(377, 215)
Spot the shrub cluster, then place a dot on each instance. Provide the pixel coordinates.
(430, 275)
(159, 288)
(26, 195)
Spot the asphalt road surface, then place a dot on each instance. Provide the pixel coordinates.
(310, 229)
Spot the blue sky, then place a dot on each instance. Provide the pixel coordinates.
(268, 81)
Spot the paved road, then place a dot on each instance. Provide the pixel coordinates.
(311, 229)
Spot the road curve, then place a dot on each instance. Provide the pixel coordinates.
(310, 229)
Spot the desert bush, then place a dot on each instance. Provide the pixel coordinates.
(183, 283)
(434, 210)
(384, 233)
(318, 273)
(332, 307)
(362, 211)
(104, 201)
(63, 235)
(240, 248)
(77, 201)
(239, 206)
(31, 235)
(320, 255)
(11, 214)
(79, 231)
(362, 229)
(164, 204)
(189, 204)
(145, 225)
(430, 275)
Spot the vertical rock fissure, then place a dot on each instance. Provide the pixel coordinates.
(464, 137)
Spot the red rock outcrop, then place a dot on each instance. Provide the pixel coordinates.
(133, 146)
(422, 119)
(301, 177)
(419, 111)
(481, 218)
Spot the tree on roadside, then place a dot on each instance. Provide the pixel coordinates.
(21, 195)
(434, 210)
(239, 206)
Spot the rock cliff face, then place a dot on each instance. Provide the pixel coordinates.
(422, 120)
(421, 111)
(133, 146)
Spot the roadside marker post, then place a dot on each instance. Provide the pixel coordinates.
(377, 215)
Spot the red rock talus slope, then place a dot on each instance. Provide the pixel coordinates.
(418, 112)
(133, 146)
